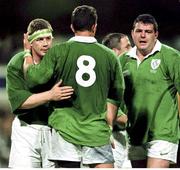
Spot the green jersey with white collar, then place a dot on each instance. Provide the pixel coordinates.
(150, 94)
(95, 74)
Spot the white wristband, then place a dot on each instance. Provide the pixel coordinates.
(27, 53)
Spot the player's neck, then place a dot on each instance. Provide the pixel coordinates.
(36, 59)
(84, 33)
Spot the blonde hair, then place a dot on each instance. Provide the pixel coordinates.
(38, 24)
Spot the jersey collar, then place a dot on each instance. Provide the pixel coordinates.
(83, 39)
(157, 47)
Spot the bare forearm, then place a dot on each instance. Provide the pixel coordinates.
(111, 113)
(56, 93)
(36, 100)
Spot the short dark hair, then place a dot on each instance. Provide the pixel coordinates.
(146, 19)
(111, 40)
(83, 18)
(38, 24)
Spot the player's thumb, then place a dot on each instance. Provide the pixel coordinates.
(58, 83)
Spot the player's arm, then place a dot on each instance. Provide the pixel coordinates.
(28, 57)
(110, 118)
(16, 87)
(122, 120)
(111, 113)
(56, 93)
(178, 96)
(115, 116)
(116, 91)
(21, 98)
(40, 73)
(171, 64)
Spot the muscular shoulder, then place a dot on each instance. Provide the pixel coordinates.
(58, 49)
(170, 54)
(16, 61)
(169, 50)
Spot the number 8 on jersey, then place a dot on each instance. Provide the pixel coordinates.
(88, 69)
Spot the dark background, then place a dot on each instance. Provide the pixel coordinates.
(114, 16)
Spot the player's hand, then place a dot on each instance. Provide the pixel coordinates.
(122, 119)
(61, 93)
(26, 43)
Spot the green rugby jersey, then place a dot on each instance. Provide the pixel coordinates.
(150, 94)
(18, 92)
(95, 74)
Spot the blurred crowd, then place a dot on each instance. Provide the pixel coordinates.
(5, 132)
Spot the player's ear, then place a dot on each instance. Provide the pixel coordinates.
(72, 28)
(156, 34)
(94, 28)
(132, 34)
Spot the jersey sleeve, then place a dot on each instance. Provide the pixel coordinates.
(123, 61)
(117, 86)
(172, 62)
(16, 88)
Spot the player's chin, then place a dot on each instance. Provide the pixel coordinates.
(142, 47)
(43, 53)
